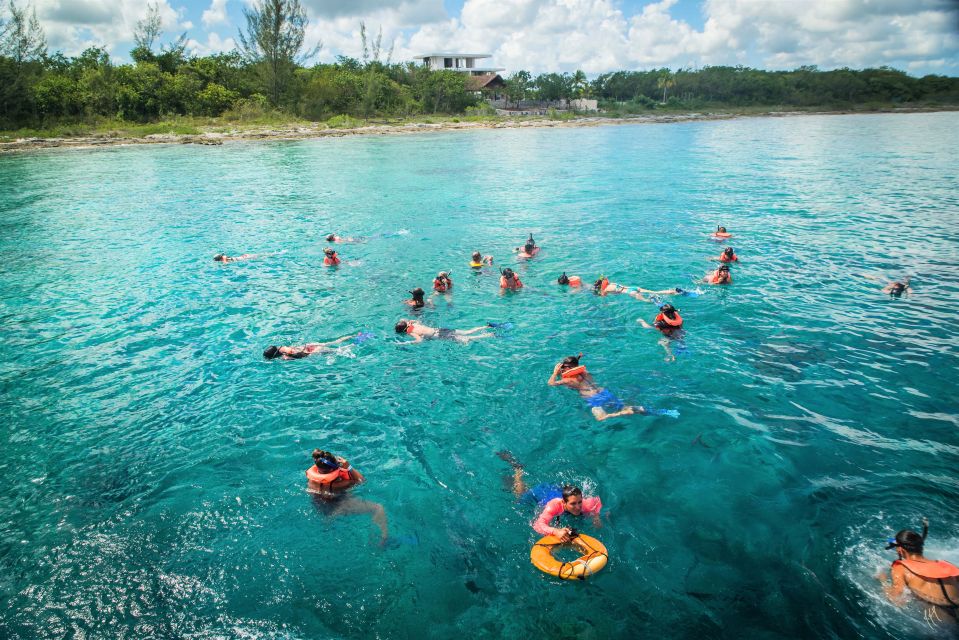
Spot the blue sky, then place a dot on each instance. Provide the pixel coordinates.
(919, 36)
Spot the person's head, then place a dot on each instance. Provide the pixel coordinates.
(573, 499)
(720, 229)
(442, 275)
(598, 285)
(528, 247)
(728, 252)
(418, 294)
(220, 257)
(329, 252)
(908, 541)
(331, 237)
(401, 326)
(668, 310)
(325, 461)
(563, 279)
(897, 288)
(477, 256)
(508, 274)
(724, 269)
(569, 362)
(271, 352)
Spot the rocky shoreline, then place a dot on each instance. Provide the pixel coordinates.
(320, 130)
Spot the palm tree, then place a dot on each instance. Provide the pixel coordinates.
(580, 86)
(665, 82)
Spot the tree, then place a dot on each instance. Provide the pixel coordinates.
(275, 30)
(665, 82)
(21, 36)
(580, 85)
(373, 78)
(518, 85)
(148, 31)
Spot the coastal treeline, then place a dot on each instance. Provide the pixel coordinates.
(272, 74)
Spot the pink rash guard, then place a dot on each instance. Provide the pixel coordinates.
(554, 508)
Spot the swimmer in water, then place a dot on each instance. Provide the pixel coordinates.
(571, 281)
(602, 403)
(442, 283)
(603, 287)
(935, 582)
(478, 260)
(557, 501)
(670, 323)
(418, 300)
(728, 255)
(509, 280)
(529, 249)
(420, 332)
(719, 276)
(335, 238)
(897, 289)
(222, 257)
(721, 233)
(329, 479)
(331, 258)
(295, 353)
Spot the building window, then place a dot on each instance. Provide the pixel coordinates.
(469, 63)
(448, 63)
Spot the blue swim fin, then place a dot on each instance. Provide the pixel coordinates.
(671, 413)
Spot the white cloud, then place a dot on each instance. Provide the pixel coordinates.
(73, 25)
(216, 14)
(214, 44)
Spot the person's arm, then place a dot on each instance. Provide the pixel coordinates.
(541, 525)
(894, 591)
(339, 340)
(645, 324)
(554, 379)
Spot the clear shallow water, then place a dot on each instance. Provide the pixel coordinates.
(153, 461)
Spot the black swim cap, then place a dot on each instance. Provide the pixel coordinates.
(563, 279)
(272, 352)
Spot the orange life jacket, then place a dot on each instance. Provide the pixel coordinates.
(575, 371)
(717, 280)
(314, 475)
(409, 327)
(575, 281)
(723, 258)
(439, 284)
(674, 323)
(330, 261)
(504, 283)
(930, 569)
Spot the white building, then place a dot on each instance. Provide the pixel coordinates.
(465, 62)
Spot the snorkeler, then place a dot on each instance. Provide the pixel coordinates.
(936, 582)
(728, 255)
(335, 238)
(572, 374)
(478, 260)
(603, 287)
(573, 281)
(222, 257)
(420, 332)
(328, 480)
(295, 353)
(529, 249)
(418, 300)
(721, 233)
(442, 282)
(331, 258)
(670, 324)
(509, 280)
(896, 289)
(719, 276)
(556, 501)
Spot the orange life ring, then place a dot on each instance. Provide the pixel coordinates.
(313, 475)
(592, 561)
(575, 281)
(676, 322)
(575, 371)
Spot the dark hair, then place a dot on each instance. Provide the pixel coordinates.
(401, 326)
(528, 248)
(325, 460)
(897, 288)
(418, 293)
(668, 310)
(563, 279)
(599, 283)
(477, 256)
(508, 273)
(910, 541)
(569, 491)
(728, 250)
(217, 257)
(272, 352)
(570, 361)
(724, 267)
(329, 251)
(721, 229)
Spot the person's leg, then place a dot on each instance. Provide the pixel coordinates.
(356, 506)
(467, 332)
(468, 339)
(669, 352)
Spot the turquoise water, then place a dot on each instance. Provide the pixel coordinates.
(153, 465)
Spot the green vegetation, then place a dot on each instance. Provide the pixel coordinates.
(268, 82)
